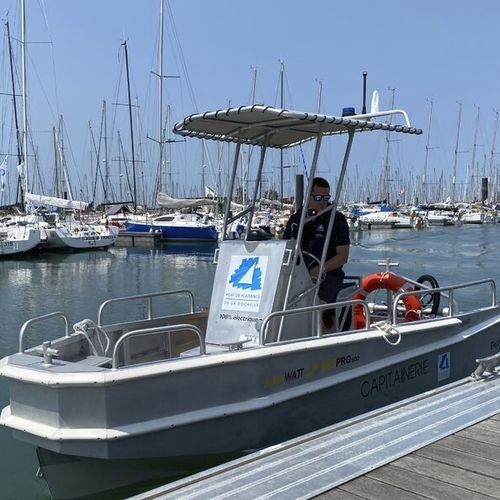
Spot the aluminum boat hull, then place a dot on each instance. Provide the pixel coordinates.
(244, 401)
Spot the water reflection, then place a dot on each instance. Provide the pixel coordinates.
(196, 248)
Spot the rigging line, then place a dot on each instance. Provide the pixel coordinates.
(183, 59)
(91, 144)
(292, 105)
(69, 147)
(51, 42)
(276, 96)
(116, 97)
(189, 86)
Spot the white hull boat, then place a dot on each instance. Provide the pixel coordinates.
(81, 237)
(440, 218)
(392, 220)
(64, 231)
(19, 239)
(477, 217)
(72, 234)
(258, 367)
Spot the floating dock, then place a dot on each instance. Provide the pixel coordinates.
(132, 238)
(441, 444)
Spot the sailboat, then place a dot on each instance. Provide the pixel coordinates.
(56, 230)
(19, 234)
(19, 237)
(67, 232)
(177, 226)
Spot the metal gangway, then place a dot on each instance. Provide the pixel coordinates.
(315, 463)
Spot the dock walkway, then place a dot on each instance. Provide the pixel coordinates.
(444, 444)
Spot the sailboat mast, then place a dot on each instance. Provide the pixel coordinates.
(131, 129)
(282, 71)
(387, 168)
(24, 168)
(66, 189)
(474, 147)
(427, 147)
(320, 92)
(492, 154)
(170, 182)
(106, 162)
(16, 119)
(160, 100)
(455, 162)
(254, 86)
(57, 183)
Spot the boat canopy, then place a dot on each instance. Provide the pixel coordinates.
(279, 128)
(52, 201)
(166, 201)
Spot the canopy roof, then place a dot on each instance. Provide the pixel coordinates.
(279, 128)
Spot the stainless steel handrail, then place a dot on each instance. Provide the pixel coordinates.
(301, 295)
(157, 330)
(57, 314)
(148, 296)
(449, 290)
(317, 307)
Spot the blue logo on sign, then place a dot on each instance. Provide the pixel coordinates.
(444, 362)
(443, 366)
(247, 276)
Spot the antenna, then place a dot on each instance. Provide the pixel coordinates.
(363, 111)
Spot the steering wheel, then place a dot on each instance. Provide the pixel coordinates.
(429, 298)
(309, 266)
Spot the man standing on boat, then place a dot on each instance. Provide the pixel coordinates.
(313, 242)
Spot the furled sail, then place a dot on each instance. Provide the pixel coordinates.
(166, 201)
(52, 201)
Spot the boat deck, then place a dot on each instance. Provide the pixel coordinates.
(441, 444)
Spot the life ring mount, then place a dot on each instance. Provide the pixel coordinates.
(387, 281)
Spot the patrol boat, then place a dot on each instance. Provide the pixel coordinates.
(258, 367)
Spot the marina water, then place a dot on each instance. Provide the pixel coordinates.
(78, 283)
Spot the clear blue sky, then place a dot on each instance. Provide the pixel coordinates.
(445, 50)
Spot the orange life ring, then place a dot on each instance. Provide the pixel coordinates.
(389, 281)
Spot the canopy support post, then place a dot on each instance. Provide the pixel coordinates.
(333, 207)
(296, 252)
(227, 208)
(263, 150)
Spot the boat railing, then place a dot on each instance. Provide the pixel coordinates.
(39, 319)
(300, 296)
(308, 309)
(446, 291)
(156, 331)
(146, 296)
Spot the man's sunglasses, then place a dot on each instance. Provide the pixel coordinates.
(319, 197)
